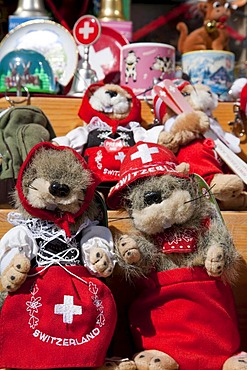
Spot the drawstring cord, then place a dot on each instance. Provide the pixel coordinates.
(58, 259)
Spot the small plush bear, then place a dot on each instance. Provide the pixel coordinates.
(184, 317)
(111, 115)
(191, 140)
(52, 262)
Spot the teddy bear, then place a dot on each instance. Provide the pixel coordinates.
(112, 116)
(190, 138)
(213, 34)
(53, 263)
(184, 316)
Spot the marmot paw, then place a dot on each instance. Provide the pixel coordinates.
(154, 360)
(15, 274)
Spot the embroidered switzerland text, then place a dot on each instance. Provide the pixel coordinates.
(66, 341)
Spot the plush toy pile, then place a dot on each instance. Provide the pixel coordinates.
(58, 313)
(188, 135)
(184, 316)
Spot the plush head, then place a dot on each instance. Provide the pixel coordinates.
(142, 160)
(55, 184)
(116, 105)
(200, 97)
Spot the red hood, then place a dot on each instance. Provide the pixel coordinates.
(66, 218)
(86, 112)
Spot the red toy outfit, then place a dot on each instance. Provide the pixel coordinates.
(202, 158)
(57, 320)
(175, 312)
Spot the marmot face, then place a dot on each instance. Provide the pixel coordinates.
(111, 99)
(158, 202)
(55, 180)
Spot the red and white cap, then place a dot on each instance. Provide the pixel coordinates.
(159, 104)
(142, 160)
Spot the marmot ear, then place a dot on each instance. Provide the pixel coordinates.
(202, 7)
(183, 168)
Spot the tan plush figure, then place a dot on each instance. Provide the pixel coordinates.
(189, 135)
(51, 262)
(184, 316)
(213, 35)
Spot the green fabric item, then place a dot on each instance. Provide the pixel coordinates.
(20, 129)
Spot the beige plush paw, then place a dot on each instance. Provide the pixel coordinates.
(154, 360)
(128, 249)
(169, 141)
(226, 187)
(15, 274)
(237, 362)
(215, 261)
(101, 261)
(238, 203)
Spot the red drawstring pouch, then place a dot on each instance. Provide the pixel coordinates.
(59, 318)
(188, 315)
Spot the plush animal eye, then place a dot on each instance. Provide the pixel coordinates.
(216, 4)
(111, 93)
(227, 6)
(152, 197)
(185, 93)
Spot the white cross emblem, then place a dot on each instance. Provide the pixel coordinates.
(120, 156)
(86, 30)
(144, 153)
(163, 93)
(172, 88)
(67, 309)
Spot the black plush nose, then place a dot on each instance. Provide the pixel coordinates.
(59, 190)
(111, 93)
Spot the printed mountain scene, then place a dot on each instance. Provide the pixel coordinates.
(215, 71)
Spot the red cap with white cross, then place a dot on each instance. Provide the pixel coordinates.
(143, 160)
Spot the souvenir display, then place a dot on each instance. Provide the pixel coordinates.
(50, 39)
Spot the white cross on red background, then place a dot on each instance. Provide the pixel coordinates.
(144, 153)
(67, 309)
(87, 30)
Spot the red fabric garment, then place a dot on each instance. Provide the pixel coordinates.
(86, 112)
(202, 158)
(56, 320)
(104, 163)
(62, 220)
(180, 240)
(188, 315)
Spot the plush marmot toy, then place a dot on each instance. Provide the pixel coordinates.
(190, 139)
(111, 115)
(51, 263)
(184, 317)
